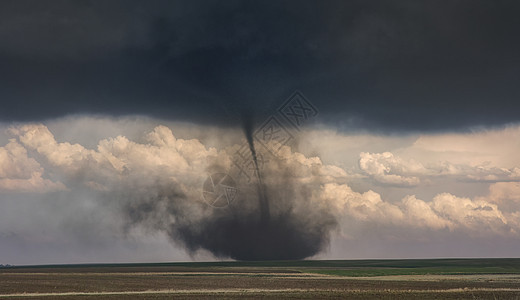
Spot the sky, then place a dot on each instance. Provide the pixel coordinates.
(404, 140)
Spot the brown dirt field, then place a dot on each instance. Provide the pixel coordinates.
(126, 283)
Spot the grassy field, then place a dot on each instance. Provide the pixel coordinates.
(356, 279)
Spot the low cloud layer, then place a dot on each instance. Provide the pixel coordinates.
(387, 168)
(152, 184)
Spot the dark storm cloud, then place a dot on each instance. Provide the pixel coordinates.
(414, 65)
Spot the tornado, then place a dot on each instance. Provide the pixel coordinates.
(263, 201)
(275, 217)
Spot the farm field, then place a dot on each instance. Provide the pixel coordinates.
(356, 279)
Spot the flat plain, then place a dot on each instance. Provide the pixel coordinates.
(309, 279)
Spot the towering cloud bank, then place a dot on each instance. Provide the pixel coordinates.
(155, 183)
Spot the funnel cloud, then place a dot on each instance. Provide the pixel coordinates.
(263, 201)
